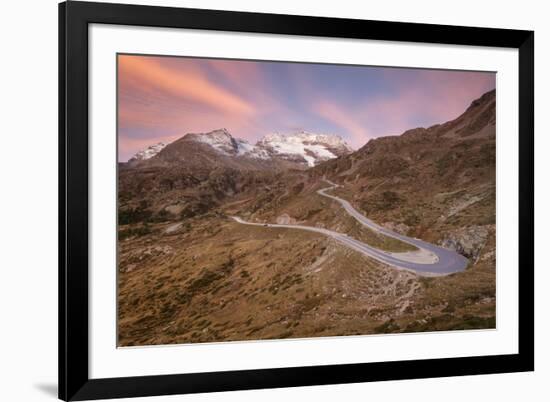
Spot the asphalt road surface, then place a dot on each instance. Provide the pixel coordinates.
(441, 262)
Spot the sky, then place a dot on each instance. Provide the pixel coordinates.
(163, 98)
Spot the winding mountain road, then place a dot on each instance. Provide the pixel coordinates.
(428, 260)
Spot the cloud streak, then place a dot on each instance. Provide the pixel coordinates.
(163, 98)
(152, 75)
(330, 111)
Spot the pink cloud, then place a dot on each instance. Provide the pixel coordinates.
(147, 74)
(161, 99)
(342, 118)
(436, 96)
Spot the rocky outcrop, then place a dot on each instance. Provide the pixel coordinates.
(468, 241)
(461, 204)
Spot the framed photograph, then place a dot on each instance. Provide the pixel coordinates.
(258, 201)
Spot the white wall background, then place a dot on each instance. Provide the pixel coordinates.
(28, 199)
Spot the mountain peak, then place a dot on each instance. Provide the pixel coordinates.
(221, 140)
(148, 152)
(303, 146)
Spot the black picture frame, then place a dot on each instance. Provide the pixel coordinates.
(74, 18)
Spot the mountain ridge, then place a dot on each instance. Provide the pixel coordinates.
(302, 149)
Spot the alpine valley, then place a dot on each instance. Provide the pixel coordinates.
(299, 235)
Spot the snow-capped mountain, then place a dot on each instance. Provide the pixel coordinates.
(148, 153)
(302, 148)
(220, 140)
(224, 143)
